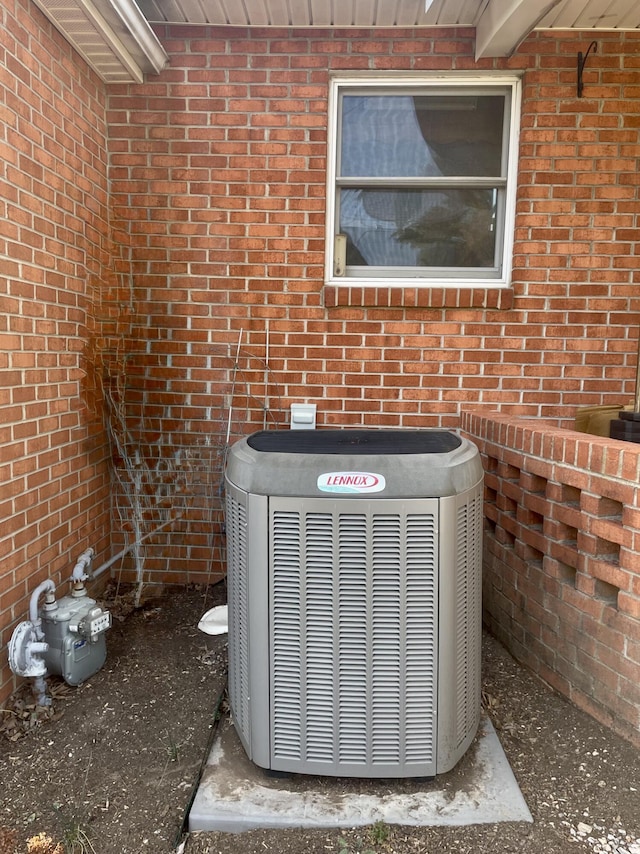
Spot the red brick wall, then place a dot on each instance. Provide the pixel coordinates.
(218, 165)
(561, 583)
(54, 495)
(218, 169)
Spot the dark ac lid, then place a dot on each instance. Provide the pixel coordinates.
(355, 442)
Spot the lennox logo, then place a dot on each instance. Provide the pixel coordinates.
(351, 481)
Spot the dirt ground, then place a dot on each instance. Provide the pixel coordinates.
(112, 767)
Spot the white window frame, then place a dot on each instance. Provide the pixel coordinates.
(404, 82)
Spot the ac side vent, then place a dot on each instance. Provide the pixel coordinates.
(468, 619)
(238, 597)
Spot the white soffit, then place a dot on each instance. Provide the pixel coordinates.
(583, 14)
(112, 35)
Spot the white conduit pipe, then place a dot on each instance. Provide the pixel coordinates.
(233, 385)
(33, 605)
(131, 546)
(80, 570)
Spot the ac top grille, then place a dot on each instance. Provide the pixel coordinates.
(353, 611)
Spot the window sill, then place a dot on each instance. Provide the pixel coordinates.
(361, 296)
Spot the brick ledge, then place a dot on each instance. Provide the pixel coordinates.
(359, 296)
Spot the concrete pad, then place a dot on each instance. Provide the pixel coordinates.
(234, 795)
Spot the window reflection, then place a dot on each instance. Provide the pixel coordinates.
(419, 228)
(381, 137)
(421, 136)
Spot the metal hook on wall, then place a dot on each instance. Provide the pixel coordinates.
(582, 61)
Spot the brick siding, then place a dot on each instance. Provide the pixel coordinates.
(561, 583)
(219, 168)
(54, 480)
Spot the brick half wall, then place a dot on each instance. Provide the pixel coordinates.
(561, 582)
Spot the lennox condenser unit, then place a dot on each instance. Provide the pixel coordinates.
(354, 585)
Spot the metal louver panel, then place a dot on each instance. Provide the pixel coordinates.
(238, 595)
(468, 630)
(353, 640)
(353, 636)
(319, 626)
(421, 614)
(289, 700)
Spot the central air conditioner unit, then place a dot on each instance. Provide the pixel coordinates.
(354, 585)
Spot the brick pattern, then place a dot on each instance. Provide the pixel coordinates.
(218, 168)
(561, 568)
(218, 172)
(54, 482)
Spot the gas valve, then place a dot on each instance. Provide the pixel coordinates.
(26, 651)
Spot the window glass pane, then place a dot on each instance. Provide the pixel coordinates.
(464, 134)
(381, 138)
(419, 228)
(421, 136)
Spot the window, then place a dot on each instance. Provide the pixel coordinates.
(422, 181)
